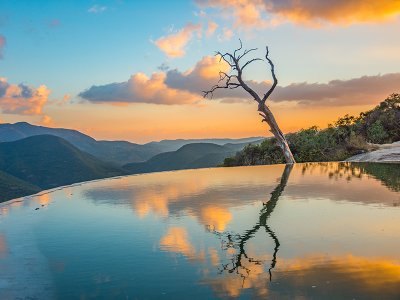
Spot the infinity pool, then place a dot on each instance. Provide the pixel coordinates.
(312, 231)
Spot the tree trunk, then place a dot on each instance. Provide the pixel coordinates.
(282, 142)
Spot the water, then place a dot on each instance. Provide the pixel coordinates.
(314, 231)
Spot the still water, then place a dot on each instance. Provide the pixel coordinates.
(312, 231)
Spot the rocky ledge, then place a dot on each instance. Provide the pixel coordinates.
(385, 153)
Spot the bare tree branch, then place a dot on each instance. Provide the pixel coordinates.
(233, 60)
(267, 94)
(250, 61)
(222, 57)
(240, 48)
(246, 52)
(228, 84)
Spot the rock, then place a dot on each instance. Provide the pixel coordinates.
(385, 153)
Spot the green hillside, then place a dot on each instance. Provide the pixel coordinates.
(48, 161)
(348, 136)
(118, 152)
(197, 155)
(12, 187)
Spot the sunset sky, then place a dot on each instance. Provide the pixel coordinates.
(135, 70)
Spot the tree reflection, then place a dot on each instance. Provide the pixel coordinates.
(240, 261)
(387, 173)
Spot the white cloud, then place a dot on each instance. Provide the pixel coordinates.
(97, 9)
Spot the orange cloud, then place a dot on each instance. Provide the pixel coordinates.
(154, 89)
(262, 13)
(245, 13)
(355, 91)
(376, 277)
(226, 34)
(22, 99)
(315, 12)
(212, 27)
(177, 240)
(215, 217)
(174, 44)
(177, 87)
(139, 89)
(46, 120)
(204, 75)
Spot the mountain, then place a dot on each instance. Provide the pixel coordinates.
(12, 187)
(190, 156)
(47, 161)
(118, 152)
(173, 145)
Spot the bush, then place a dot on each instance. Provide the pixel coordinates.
(377, 134)
(347, 137)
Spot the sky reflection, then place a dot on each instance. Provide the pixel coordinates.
(310, 231)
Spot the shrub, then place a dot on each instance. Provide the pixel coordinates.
(376, 133)
(346, 137)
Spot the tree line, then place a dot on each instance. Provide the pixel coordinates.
(348, 136)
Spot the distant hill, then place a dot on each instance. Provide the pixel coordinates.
(47, 161)
(190, 156)
(173, 145)
(12, 187)
(119, 152)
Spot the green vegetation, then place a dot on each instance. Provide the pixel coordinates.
(388, 174)
(116, 152)
(191, 156)
(12, 187)
(348, 136)
(45, 161)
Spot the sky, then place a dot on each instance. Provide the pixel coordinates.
(135, 70)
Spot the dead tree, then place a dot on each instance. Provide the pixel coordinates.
(234, 80)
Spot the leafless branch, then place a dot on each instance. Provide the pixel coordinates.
(238, 49)
(246, 52)
(249, 62)
(267, 94)
(233, 60)
(227, 84)
(230, 62)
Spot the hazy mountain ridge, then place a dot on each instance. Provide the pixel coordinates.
(119, 152)
(196, 155)
(173, 145)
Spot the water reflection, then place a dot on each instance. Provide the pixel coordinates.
(3, 246)
(387, 173)
(230, 240)
(210, 193)
(309, 231)
(177, 240)
(344, 277)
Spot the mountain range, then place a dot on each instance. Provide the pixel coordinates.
(190, 156)
(34, 158)
(118, 152)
